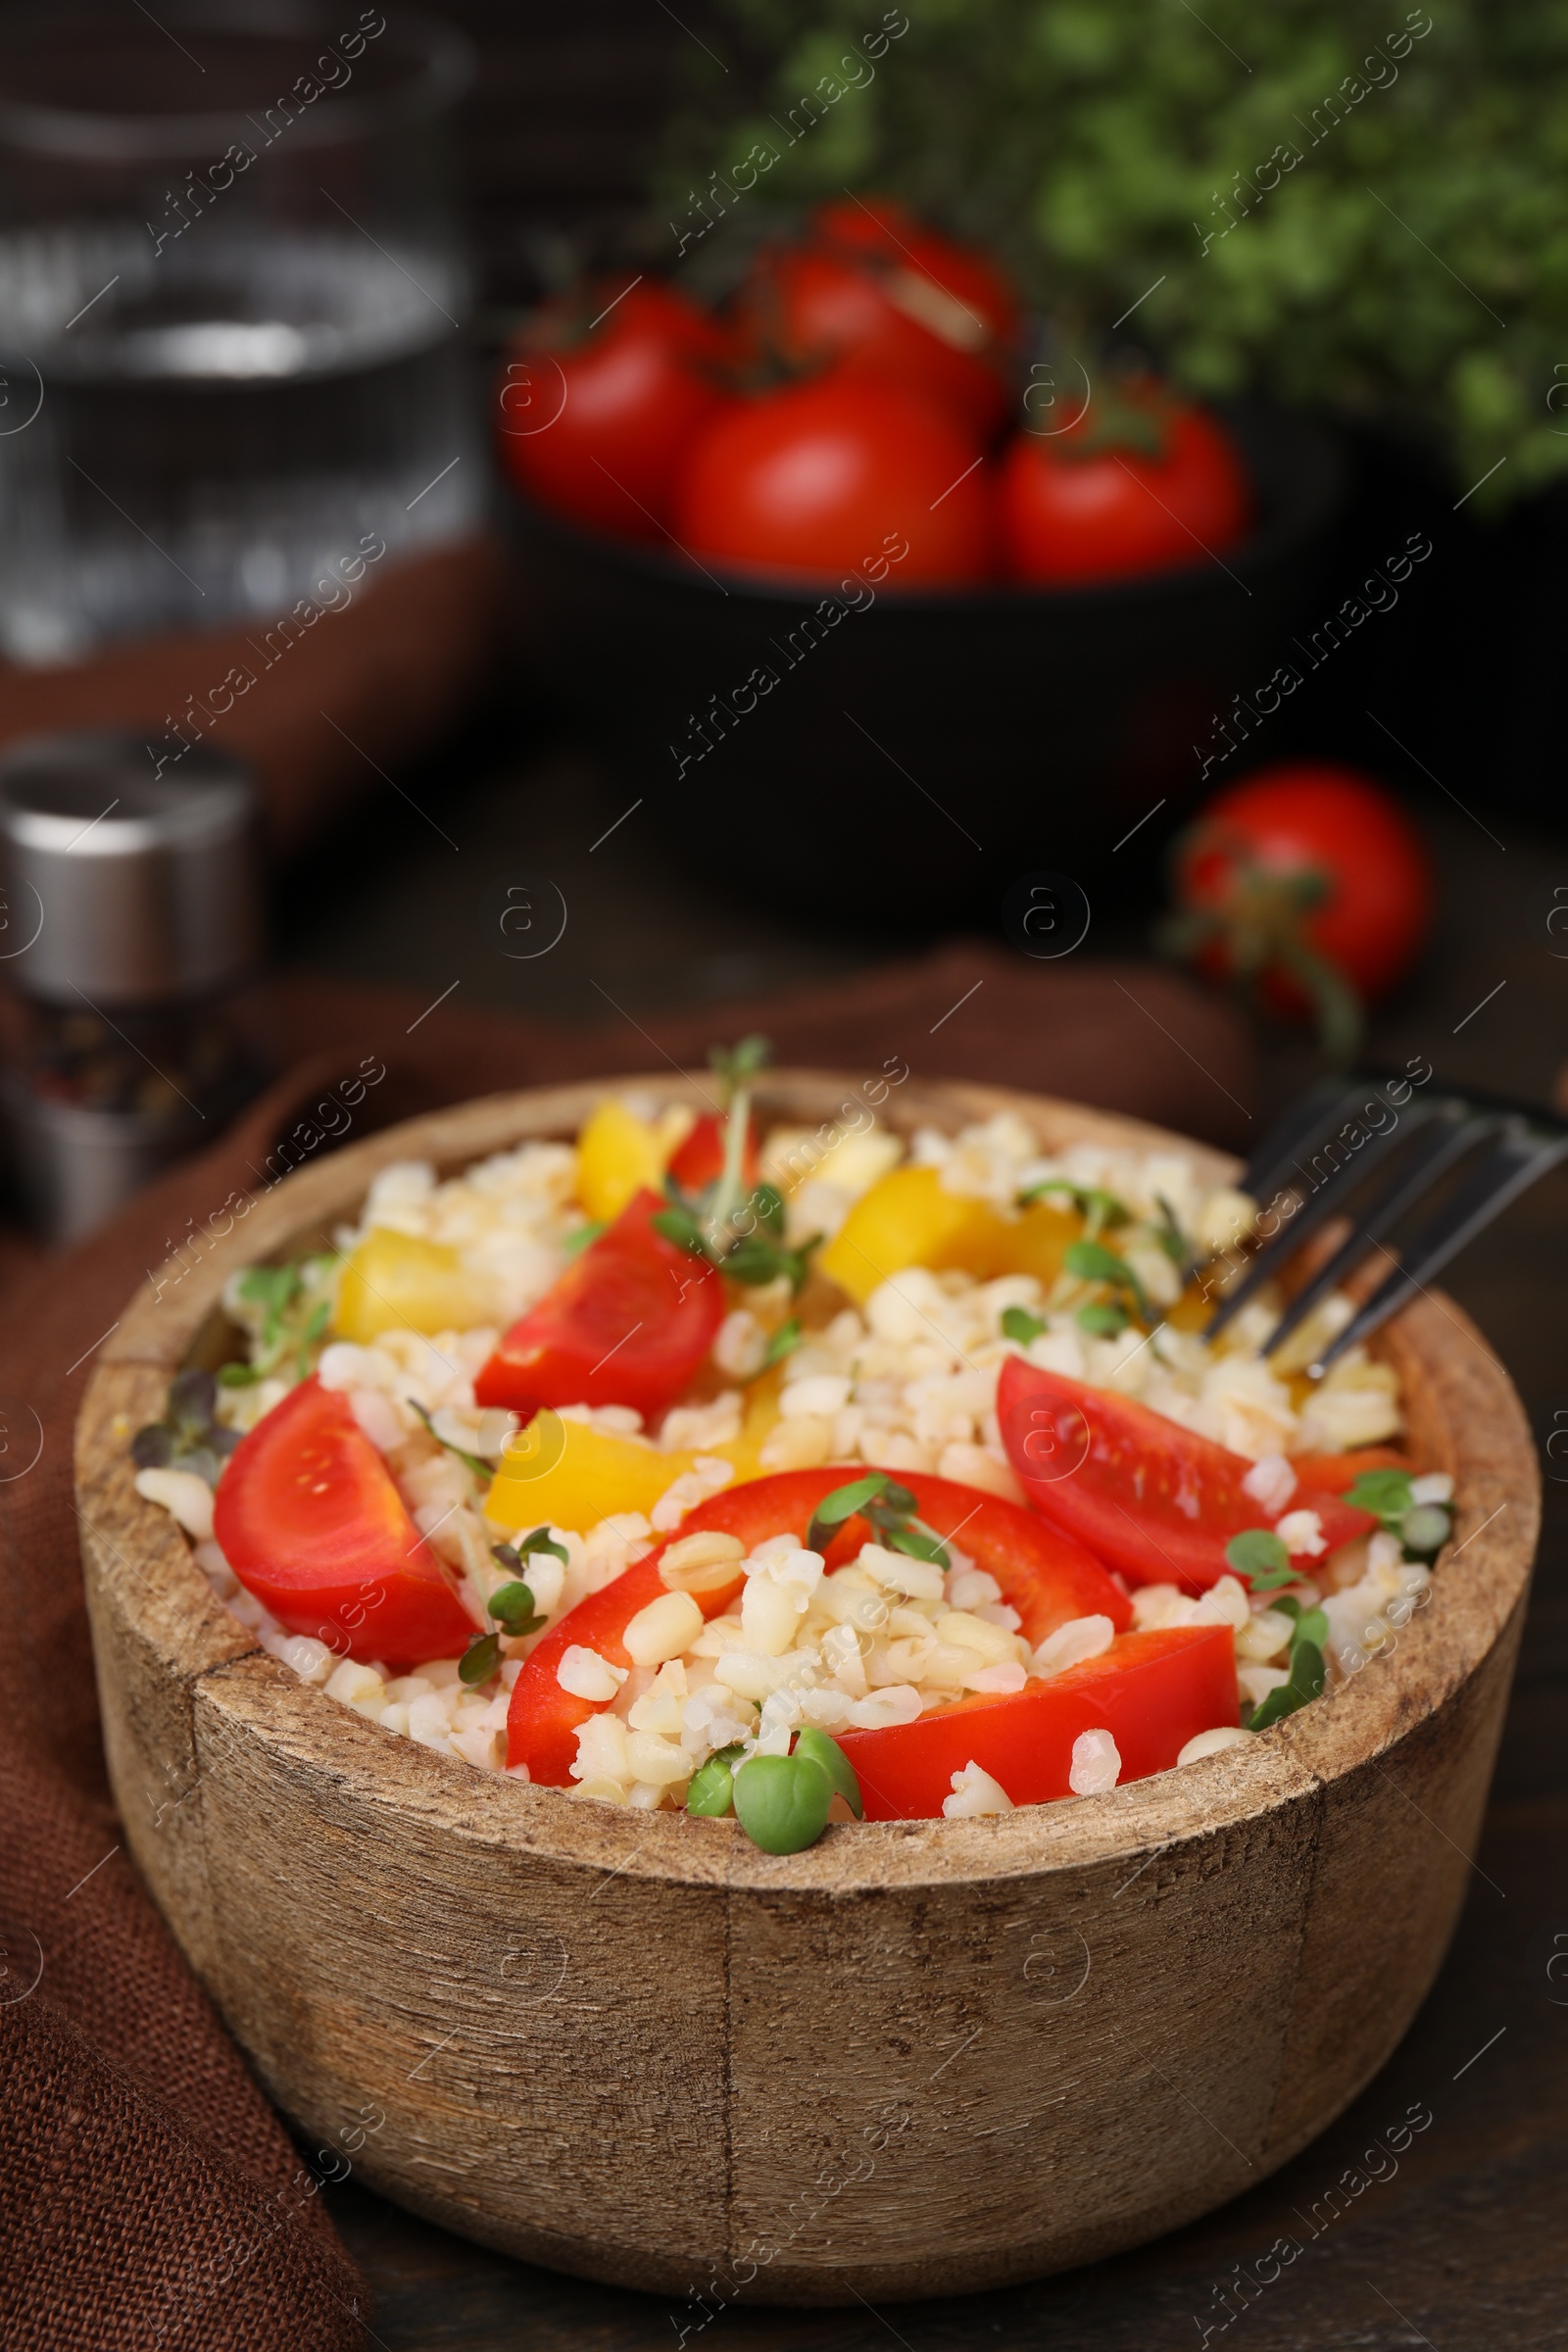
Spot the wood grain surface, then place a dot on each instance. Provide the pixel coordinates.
(917, 2058)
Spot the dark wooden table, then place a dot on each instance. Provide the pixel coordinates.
(1463, 2244)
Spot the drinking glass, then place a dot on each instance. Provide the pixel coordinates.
(232, 305)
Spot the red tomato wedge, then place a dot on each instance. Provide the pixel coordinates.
(1153, 1499)
(627, 1323)
(308, 1517)
(1335, 1473)
(700, 1158)
(1047, 1577)
(1152, 1692)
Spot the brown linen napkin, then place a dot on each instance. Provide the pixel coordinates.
(154, 2199)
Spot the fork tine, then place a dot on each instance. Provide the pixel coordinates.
(1448, 1138)
(1283, 1166)
(1512, 1163)
(1317, 1112)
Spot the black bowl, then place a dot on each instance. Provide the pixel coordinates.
(907, 759)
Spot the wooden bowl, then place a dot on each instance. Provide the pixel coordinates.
(918, 2058)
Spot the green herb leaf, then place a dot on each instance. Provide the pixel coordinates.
(1260, 1558)
(916, 1543)
(835, 1763)
(153, 1448)
(577, 1242)
(316, 1324)
(480, 1660)
(1092, 1262)
(1103, 1318)
(239, 1376)
(1017, 1323)
(710, 1791)
(1311, 1625)
(767, 1204)
(1386, 1494)
(192, 1396)
(1308, 1676)
(784, 1343)
(540, 1539)
(273, 1288)
(737, 1065)
(783, 1801)
(515, 1611)
(842, 1505)
(1170, 1236)
(471, 1461)
(678, 1225)
(1098, 1208)
(757, 1259)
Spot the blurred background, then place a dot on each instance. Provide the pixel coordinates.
(309, 329)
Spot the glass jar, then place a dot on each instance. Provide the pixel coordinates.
(232, 296)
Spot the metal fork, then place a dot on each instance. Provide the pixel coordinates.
(1373, 1150)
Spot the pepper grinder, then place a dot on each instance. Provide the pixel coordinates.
(129, 916)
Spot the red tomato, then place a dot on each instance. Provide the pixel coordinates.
(700, 1158)
(1152, 1692)
(308, 1517)
(1305, 858)
(874, 289)
(1085, 505)
(596, 419)
(1047, 1577)
(833, 476)
(627, 1323)
(1153, 1499)
(1337, 1473)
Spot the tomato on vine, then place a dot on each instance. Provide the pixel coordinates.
(1308, 884)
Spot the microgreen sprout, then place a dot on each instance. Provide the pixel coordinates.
(1092, 1262)
(783, 1343)
(1017, 1323)
(889, 1511)
(285, 1309)
(189, 1437)
(1098, 1208)
(1260, 1558)
(481, 1468)
(1422, 1528)
(710, 1791)
(1170, 1237)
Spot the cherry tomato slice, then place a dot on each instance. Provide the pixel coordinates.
(700, 1158)
(1151, 1691)
(1153, 1499)
(1048, 1578)
(308, 1517)
(1336, 1472)
(627, 1323)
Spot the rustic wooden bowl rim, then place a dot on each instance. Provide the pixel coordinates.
(1480, 1428)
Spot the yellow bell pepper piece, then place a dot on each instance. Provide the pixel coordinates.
(912, 1219)
(395, 1281)
(575, 1476)
(618, 1153)
(1034, 1243)
(565, 1474)
(909, 1219)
